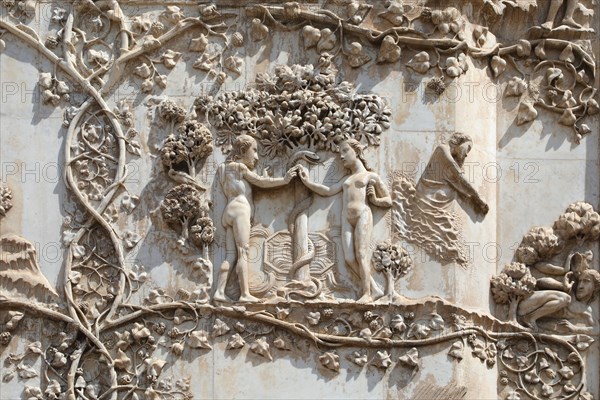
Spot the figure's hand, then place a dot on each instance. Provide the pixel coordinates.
(291, 174)
(565, 326)
(568, 281)
(481, 206)
(371, 190)
(303, 173)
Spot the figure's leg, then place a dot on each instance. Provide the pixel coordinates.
(362, 239)
(241, 233)
(568, 19)
(230, 257)
(541, 304)
(348, 247)
(552, 11)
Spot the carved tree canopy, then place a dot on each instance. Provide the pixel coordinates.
(297, 106)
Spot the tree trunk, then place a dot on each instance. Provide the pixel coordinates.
(389, 284)
(512, 309)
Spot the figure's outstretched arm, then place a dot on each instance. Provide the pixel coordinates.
(268, 182)
(319, 189)
(378, 193)
(457, 180)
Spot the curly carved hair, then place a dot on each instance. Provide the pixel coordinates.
(240, 145)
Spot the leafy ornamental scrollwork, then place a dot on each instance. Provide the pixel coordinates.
(547, 70)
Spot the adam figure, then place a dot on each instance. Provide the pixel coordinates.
(236, 178)
(567, 19)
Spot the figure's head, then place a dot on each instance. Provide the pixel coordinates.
(460, 146)
(350, 151)
(245, 150)
(587, 285)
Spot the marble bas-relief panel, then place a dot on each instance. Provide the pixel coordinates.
(321, 199)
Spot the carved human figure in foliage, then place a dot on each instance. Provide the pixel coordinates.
(236, 179)
(360, 188)
(571, 6)
(567, 299)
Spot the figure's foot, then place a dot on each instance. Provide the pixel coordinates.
(248, 299)
(365, 299)
(548, 25)
(528, 323)
(571, 22)
(222, 298)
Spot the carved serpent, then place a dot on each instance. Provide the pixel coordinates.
(299, 208)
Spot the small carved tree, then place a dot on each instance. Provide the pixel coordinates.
(394, 262)
(183, 205)
(5, 200)
(511, 286)
(191, 144)
(539, 243)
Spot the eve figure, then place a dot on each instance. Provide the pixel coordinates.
(358, 189)
(236, 178)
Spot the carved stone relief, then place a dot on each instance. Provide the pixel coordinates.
(268, 214)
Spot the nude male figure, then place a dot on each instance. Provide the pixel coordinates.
(236, 178)
(567, 19)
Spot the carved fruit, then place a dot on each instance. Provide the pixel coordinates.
(258, 31)
(327, 41)
(389, 52)
(311, 36)
(237, 39)
(526, 113)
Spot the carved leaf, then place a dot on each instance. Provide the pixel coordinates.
(220, 328)
(327, 41)
(26, 371)
(583, 342)
(261, 347)
(382, 360)
(498, 66)
(199, 44)
(568, 118)
(389, 52)
(418, 331)
(311, 36)
(281, 344)
(567, 54)
(398, 324)
(233, 64)
(358, 358)
(236, 342)
(122, 362)
(456, 350)
(411, 358)
(516, 87)
(313, 318)
(330, 361)
(140, 332)
(526, 113)
(437, 322)
(14, 318)
(8, 376)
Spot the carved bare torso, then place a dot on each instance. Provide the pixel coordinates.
(355, 195)
(238, 192)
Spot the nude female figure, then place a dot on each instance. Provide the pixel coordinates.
(358, 189)
(236, 178)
